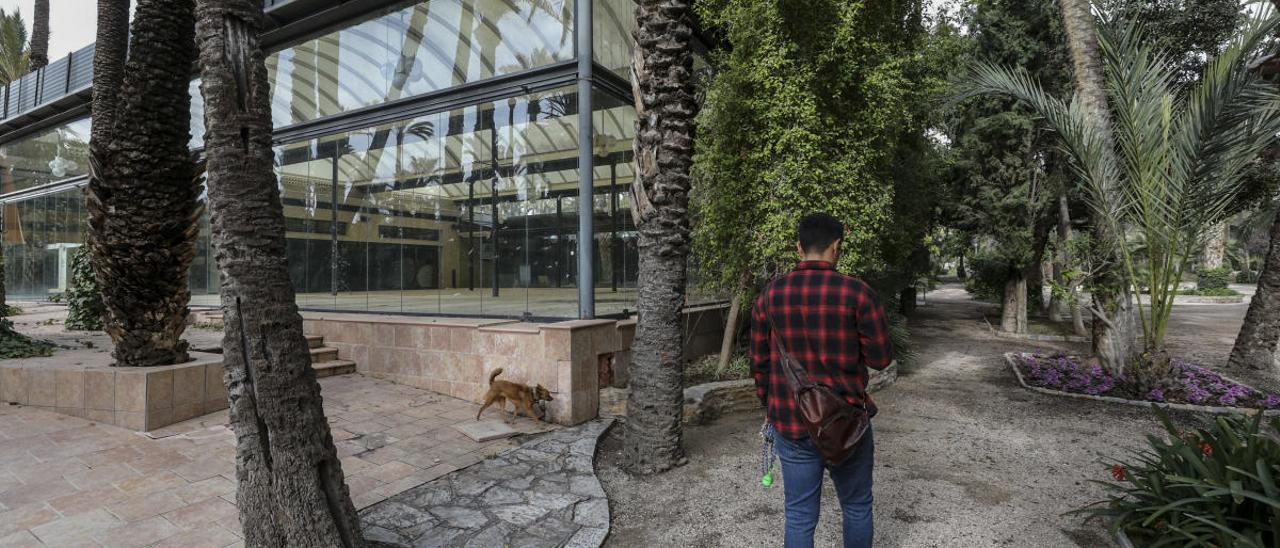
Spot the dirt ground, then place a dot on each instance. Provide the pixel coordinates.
(965, 457)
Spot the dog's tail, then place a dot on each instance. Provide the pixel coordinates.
(494, 375)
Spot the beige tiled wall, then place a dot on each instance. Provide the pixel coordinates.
(135, 398)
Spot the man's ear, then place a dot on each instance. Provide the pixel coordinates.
(799, 248)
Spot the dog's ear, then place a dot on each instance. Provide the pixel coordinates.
(545, 394)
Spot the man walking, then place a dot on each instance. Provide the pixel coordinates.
(835, 327)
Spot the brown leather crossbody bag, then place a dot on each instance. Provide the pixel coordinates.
(835, 425)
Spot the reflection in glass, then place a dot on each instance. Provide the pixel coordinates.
(39, 237)
(611, 33)
(50, 155)
(423, 48)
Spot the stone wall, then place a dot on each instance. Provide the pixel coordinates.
(137, 398)
(454, 356)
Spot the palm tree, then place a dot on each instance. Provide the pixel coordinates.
(1171, 167)
(291, 488)
(663, 82)
(1255, 346)
(143, 197)
(13, 47)
(1113, 330)
(13, 64)
(40, 36)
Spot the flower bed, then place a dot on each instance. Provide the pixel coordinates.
(1193, 384)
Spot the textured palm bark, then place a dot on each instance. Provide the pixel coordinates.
(1114, 337)
(110, 49)
(39, 36)
(291, 487)
(662, 81)
(143, 197)
(1255, 346)
(1215, 248)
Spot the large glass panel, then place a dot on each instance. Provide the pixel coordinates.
(471, 211)
(612, 41)
(40, 235)
(50, 155)
(616, 254)
(418, 49)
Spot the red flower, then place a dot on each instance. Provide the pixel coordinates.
(1117, 472)
(1206, 448)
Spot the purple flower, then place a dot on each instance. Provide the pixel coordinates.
(1227, 399)
(1156, 394)
(1271, 401)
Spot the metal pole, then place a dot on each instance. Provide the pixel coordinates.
(493, 155)
(586, 178)
(613, 220)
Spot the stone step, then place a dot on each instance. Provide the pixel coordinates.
(333, 367)
(315, 341)
(323, 354)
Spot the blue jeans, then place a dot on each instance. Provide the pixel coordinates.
(802, 483)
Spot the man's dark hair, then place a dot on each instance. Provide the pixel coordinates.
(818, 231)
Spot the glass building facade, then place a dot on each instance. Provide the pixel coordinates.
(428, 161)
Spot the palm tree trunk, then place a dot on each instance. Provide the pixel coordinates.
(1114, 329)
(39, 36)
(1256, 344)
(292, 491)
(1215, 249)
(662, 80)
(143, 202)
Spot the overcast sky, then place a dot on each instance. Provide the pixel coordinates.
(71, 23)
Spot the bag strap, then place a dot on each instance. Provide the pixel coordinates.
(804, 380)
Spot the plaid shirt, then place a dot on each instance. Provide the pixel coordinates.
(840, 316)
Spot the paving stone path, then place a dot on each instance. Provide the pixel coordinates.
(542, 493)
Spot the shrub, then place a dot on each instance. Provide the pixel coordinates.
(16, 345)
(1213, 278)
(1219, 292)
(1211, 487)
(84, 299)
(1246, 277)
(987, 277)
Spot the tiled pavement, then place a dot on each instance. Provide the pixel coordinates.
(66, 481)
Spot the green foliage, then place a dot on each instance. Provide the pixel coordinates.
(1189, 31)
(1247, 277)
(987, 277)
(1211, 487)
(703, 369)
(818, 105)
(1213, 279)
(84, 299)
(7, 310)
(1178, 159)
(13, 46)
(16, 345)
(1006, 178)
(904, 350)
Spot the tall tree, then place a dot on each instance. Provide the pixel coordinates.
(14, 55)
(1114, 326)
(663, 82)
(1179, 159)
(291, 487)
(143, 196)
(1255, 346)
(40, 35)
(13, 64)
(1006, 175)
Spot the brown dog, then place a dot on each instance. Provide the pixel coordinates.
(520, 395)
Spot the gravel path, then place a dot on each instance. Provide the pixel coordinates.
(964, 456)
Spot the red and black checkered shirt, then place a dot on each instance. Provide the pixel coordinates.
(833, 324)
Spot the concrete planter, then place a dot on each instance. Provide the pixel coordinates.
(1010, 358)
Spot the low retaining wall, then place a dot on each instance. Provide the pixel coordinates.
(452, 356)
(137, 398)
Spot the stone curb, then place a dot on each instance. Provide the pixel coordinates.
(1210, 409)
